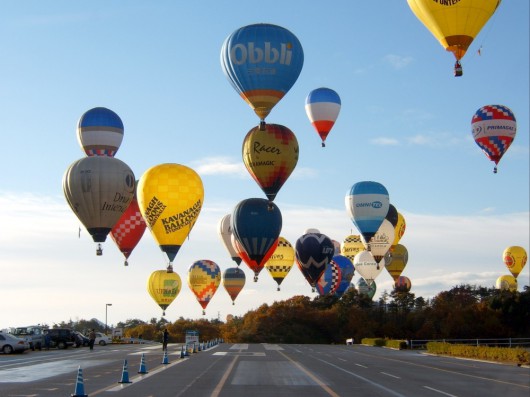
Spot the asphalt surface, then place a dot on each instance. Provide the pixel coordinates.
(254, 370)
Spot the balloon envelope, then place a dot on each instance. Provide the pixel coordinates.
(99, 190)
(164, 286)
(454, 23)
(129, 229)
(367, 267)
(322, 106)
(367, 204)
(100, 132)
(329, 281)
(270, 154)
(494, 128)
(256, 225)
(233, 281)
(262, 62)
(402, 284)
(170, 198)
(351, 246)
(514, 258)
(204, 277)
(367, 289)
(396, 260)
(225, 233)
(506, 283)
(347, 272)
(313, 252)
(281, 261)
(381, 242)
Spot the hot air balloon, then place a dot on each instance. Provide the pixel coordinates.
(270, 155)
(494, 128)
(454, 23)
(256, 225)
(351, 246)
(129, 229)
(514, 258)
(322, 106)
(381, 242)
(367, 289)
(170, 197)
(313, 252)
(347, 272)
(204, 277)
(392, 215)
(399, 230)
(100, 132)
(506, 283)
(233, 282)
(262, 62)
(396, 260)
(225, 232)
(367, 204)
(99, 190)
(329, 281)
(367, 267)
(164, 286)
(402, 284)
(281, 261)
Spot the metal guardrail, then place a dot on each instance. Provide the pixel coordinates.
(498, 342)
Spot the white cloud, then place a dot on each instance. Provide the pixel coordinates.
(383, 141)
(220, 166)
(397, 61)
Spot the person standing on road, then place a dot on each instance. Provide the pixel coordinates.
(91, 339)
(165, 339)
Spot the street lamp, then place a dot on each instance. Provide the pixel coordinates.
(106, 307)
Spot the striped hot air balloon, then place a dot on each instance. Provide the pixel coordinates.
(322, 106)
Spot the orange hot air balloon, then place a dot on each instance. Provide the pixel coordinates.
(270, 155)
(129, 230)
(454, 23)
(233, 281)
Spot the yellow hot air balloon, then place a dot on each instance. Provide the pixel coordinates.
(396, 261)
(204, 277)
(399, 230)
(351, 246)
(281, 261)
(506, 283)
(454, 23)
(164, 286)
(515, 259)
(170, 197)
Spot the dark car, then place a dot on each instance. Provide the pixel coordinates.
(80, 339)
(61, 337)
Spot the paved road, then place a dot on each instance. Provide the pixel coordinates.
(257, 370)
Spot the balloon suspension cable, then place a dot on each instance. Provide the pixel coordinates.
(170, 268)
(262, 125)
(99, 250)
(126, 263)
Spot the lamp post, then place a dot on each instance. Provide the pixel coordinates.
(106, 307)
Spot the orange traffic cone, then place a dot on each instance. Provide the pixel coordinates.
(79, 385)
(125, 374)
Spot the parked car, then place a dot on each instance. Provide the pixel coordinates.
(12, 344)
(102, 339)
(33, 334)
(61, 338)
(80, 339)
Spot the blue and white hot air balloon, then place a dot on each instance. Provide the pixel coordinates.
(100, 132)
(322, 106)
(262, 62)
(367, 204)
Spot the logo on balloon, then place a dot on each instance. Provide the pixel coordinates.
(240, 53)
(447, 2)
(154, 210)
(509, 261)
(175, 222)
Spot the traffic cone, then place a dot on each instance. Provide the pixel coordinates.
(143, 369)
(199, 347)
(125, 374)
(187, 351)
(182, 354)
(79, 390)
(165, 360)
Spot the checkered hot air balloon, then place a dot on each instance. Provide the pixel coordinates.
(494, 128)
(204, 277)
(330, 280)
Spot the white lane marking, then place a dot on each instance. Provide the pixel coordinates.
(387, 374)
(439, 391)
(360, 365)
(268, 346)
(342, 359)
(239, 346)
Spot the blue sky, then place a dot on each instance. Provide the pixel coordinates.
(404, 122)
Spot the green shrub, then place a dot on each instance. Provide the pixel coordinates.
(514, 355)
